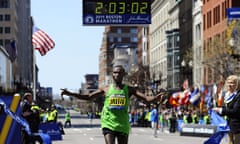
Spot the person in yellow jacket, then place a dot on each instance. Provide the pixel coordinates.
(52, 115)
(67, 120)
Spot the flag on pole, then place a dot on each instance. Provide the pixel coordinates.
(215, 95)
(12, 50)
(220, 93)
(184, 97)
(195, 96)
(41, 41)
(174, 99)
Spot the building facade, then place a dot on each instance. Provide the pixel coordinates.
(5, 70)
(15, 25)
(157, 49)
(113, 35)
(214, 39)
(197, 43)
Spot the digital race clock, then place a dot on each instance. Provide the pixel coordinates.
(116, 12)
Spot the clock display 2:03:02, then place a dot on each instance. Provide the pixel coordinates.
(123, 7)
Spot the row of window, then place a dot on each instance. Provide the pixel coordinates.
(131, 31)
(5, 17)
(6, 30)
(173, 41)
(119, 39)
(4, 42)
(5, 4)
(219, 12)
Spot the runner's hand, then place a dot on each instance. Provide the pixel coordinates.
(64, 92)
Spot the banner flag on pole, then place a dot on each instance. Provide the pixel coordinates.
(12, 50)
(41, 41)
(195, 96)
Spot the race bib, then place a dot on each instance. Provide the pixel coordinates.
(117, 101)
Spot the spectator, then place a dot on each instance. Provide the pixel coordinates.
(231, 109)
(30, 112)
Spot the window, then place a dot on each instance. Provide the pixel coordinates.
(144, 46)
(169, 41)
(204, 22)
(198, 32)
(1, 30)
(119, 39)
(1, 42)
(5, 4)
(169, 61)
(176, 59)
(7, 30)
(111, 39)
(1, 17)
(133, 30)
(7, 41)
(7, 17)
(176, 78)
(119, 30)
(144, 31)
(133, 39)
(176, 40)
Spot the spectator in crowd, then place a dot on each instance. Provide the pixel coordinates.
(231, 109)
(173, 123)
(30, 112)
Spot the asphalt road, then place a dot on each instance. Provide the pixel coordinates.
(82, 131)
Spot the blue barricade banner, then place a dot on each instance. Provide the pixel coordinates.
(46, 138)
(53, 129)
(11, 130)
(180, 124)
(223, 128)
(219, 121)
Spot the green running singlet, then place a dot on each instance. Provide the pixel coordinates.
(115, 110)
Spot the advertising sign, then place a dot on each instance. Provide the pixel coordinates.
(197, 130)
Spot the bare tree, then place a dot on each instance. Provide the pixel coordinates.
(218, 55)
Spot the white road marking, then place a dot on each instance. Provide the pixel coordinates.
(91, 138)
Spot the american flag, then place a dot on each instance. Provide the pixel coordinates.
(41, 41)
